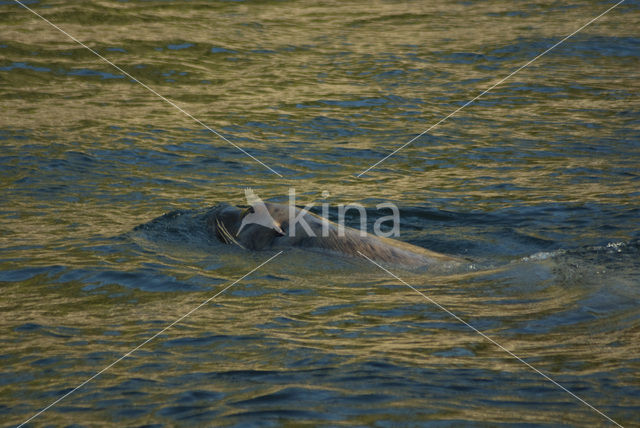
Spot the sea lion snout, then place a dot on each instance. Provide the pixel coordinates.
(223, 221)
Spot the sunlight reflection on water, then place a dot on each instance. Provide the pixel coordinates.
(536, 184)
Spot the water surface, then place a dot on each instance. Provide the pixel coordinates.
(536, 184)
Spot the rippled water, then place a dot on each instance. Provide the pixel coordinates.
(536, 184)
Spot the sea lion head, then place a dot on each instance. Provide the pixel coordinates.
(233, 225)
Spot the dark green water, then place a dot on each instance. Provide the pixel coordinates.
(537, 184)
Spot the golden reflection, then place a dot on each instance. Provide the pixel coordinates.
(319, 92)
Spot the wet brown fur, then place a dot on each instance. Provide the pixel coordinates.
(225, 220)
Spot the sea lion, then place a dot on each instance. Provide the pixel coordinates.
(312, 232)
